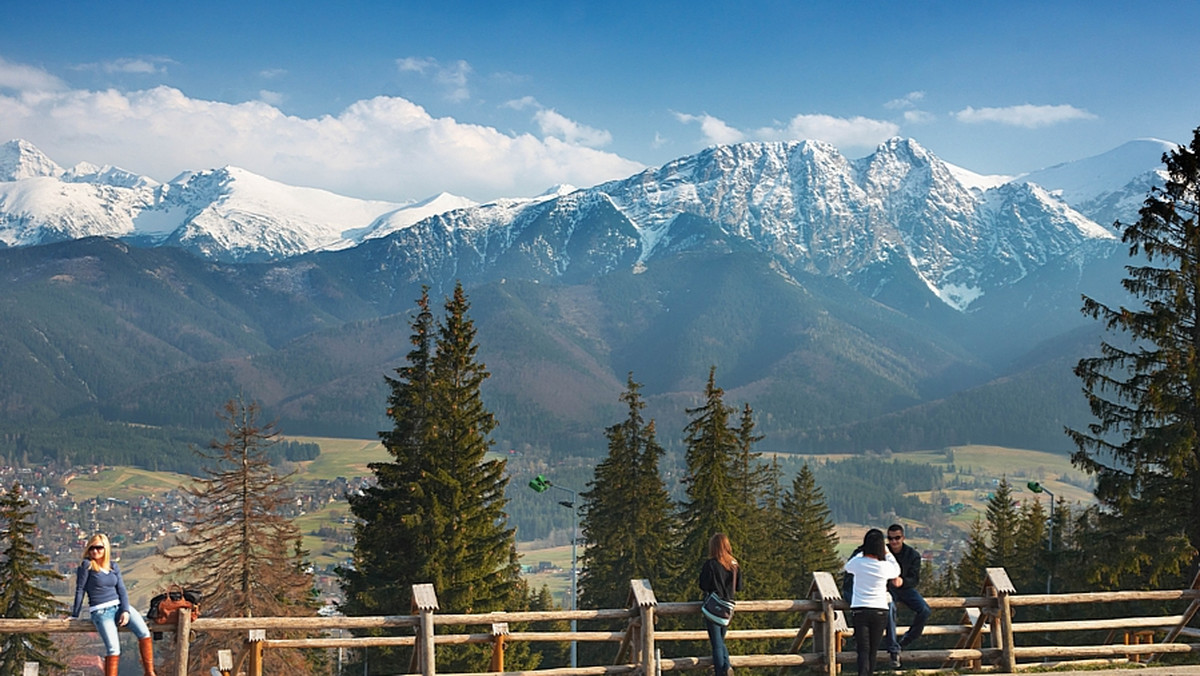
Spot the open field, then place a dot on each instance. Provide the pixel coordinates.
(350, 457)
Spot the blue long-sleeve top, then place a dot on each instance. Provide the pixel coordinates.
(101, 588)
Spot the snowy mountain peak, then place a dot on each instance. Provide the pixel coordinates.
(20, 159)
(86, 172)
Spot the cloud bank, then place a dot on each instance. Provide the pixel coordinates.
(382, 148)
(845, 133)
(1028, 116)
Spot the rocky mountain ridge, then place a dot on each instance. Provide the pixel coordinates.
(804, 203)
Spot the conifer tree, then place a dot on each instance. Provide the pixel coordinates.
(238, 548)
(436, 514)
(1144, 448)
(755, 482)
(713, 503)
(1003, 517)
(21, 569)
(1029, 565)
(809, 536)
(628, 520)
(971, 569)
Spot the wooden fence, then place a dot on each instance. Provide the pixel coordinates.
(984, 638)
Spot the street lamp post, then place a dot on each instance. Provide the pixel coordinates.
(1038, 488)
(541, 484)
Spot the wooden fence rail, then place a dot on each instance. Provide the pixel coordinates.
(990, 616)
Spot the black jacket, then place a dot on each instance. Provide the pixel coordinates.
(910, 566)
(714, 578)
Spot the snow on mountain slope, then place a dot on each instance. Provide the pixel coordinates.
(234, 214)
(981, 182)
(1084, 180)
(42, 209)
(802, 203)
(20, 159)
(227, 214)
(1110, 186)
(407, 215)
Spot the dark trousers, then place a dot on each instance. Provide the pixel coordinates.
(720, 654)
(869, 624)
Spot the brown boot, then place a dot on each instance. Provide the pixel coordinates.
(146, 648)
(111, 662)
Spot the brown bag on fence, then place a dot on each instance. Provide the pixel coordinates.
(164, 608)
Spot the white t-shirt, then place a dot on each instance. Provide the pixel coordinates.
(870, 580)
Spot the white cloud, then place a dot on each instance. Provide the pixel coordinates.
(918, 117)
(523, 103)
(715, 130)
(453, 78)
(269, 97)
(384, 148)
(272, 73)
(19, 77)
(413, 64)
(905, 102)
(135, 66)
(554, 124)
(1026, 115)
(855, 132)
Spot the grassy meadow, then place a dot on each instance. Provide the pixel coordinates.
(350, 457)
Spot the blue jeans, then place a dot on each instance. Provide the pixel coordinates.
(916, 603)
(105, 621)
(720, 654)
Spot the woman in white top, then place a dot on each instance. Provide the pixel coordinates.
(872, 570)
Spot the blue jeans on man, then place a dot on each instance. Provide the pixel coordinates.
(916, 603)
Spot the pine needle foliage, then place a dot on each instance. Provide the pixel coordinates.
(436, 512)
(21, 569)
(1144, 447)
(807, 533)
(238, 548)
(628, 519)
(712, 502)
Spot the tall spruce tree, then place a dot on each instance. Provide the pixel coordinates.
(436, 514)
(238, 548)
(21, 597)
(1003, 520)
(809, 534)
(713, 503)
(628, 519)
(1144, 448)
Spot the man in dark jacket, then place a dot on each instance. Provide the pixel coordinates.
(907, 594)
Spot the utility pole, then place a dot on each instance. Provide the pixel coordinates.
(541, 484)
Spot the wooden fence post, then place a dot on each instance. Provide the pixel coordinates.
(499, 631)
(1185, 620)
(225, 662)
(997, 580)
(425, 603)
(183, 631)
(825, 590)
(643, 597)
(255, 643)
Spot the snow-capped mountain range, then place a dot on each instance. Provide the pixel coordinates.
(803, 203)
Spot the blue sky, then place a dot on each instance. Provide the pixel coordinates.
(401, 100)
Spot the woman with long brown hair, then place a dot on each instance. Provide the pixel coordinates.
(108, 604)
(720, 575)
